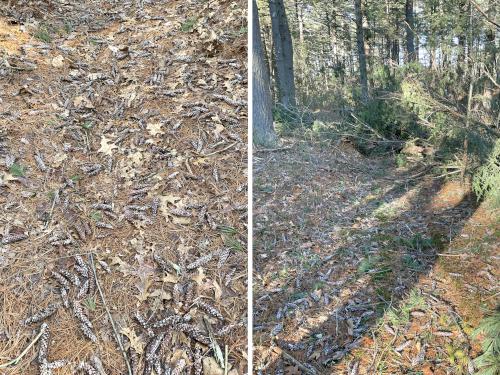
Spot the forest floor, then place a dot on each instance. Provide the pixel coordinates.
(361, 267)
(123, 128)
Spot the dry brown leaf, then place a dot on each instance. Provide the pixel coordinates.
(81, 101)
(211, 367)
(58, 61)
(219, 128)
(135, 341)
(106, 146)
(161, 294)
(170, 278)
(165, 200)
(155, 128)
(137, 158)
(58, 159)
(199, 161)
(217, 290)
(199, 277)
(6, 177)
(143, 287)
(181, 220)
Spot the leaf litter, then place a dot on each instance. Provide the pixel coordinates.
(361, 269)
(101, 105)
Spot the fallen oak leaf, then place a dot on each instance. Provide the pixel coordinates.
(106, 146)
(217, 290)
(6, 177)
(161, 294)
(170, 278)
(199, 277)
(58, 61)
(135, 341)
(155, 128)
(181, 220)
(165, 200)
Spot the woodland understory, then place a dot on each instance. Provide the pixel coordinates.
(376, 187)
(361, 267)
(123, 187)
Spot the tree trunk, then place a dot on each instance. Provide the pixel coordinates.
(395, 51)
(263, 131)
(360, 41)
(301, 66)
(283, 54)
(410, 36)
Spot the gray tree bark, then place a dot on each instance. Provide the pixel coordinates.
(410, 34)
(263, 131)
(283, 54)
(360, 41)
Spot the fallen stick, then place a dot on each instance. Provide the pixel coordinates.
(300, 365)
(272, 149)
(226, 360)
(113, 325)
(219, 151)
(15, 361)
(215, 345)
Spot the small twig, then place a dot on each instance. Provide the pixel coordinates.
(188, 167)
(452, 255)
(226, 360)
(56, 197)
(272, 149)
(447, 174)
(215, 346)
(299, 364)
(219, 151)
(24, 352)
(113, 325)
(493, 296)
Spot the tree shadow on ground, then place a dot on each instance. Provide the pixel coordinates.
(341, 299)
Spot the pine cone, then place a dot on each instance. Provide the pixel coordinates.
(193, 332)
(200, 261)
(209, 309)
(43, 314)
(10, 238)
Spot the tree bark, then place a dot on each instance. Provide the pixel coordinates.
(263, 131)
(410, 35)
(301, 66)
(283, 54)
(360, 41)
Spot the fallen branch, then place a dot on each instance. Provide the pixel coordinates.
(377, 134)
(25, 351)
(113, 325)
(272, 149)
(299, 364)
(219, 151)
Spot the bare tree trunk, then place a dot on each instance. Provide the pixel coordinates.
(283, 54)
(410, 35)
(301, 66)
(395, 51)
(263, 131)
(467, 126)
(360, 41)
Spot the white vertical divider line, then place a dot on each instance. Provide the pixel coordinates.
(250, 193)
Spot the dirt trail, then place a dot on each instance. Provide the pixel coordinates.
(361, 268)
(123, 134)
